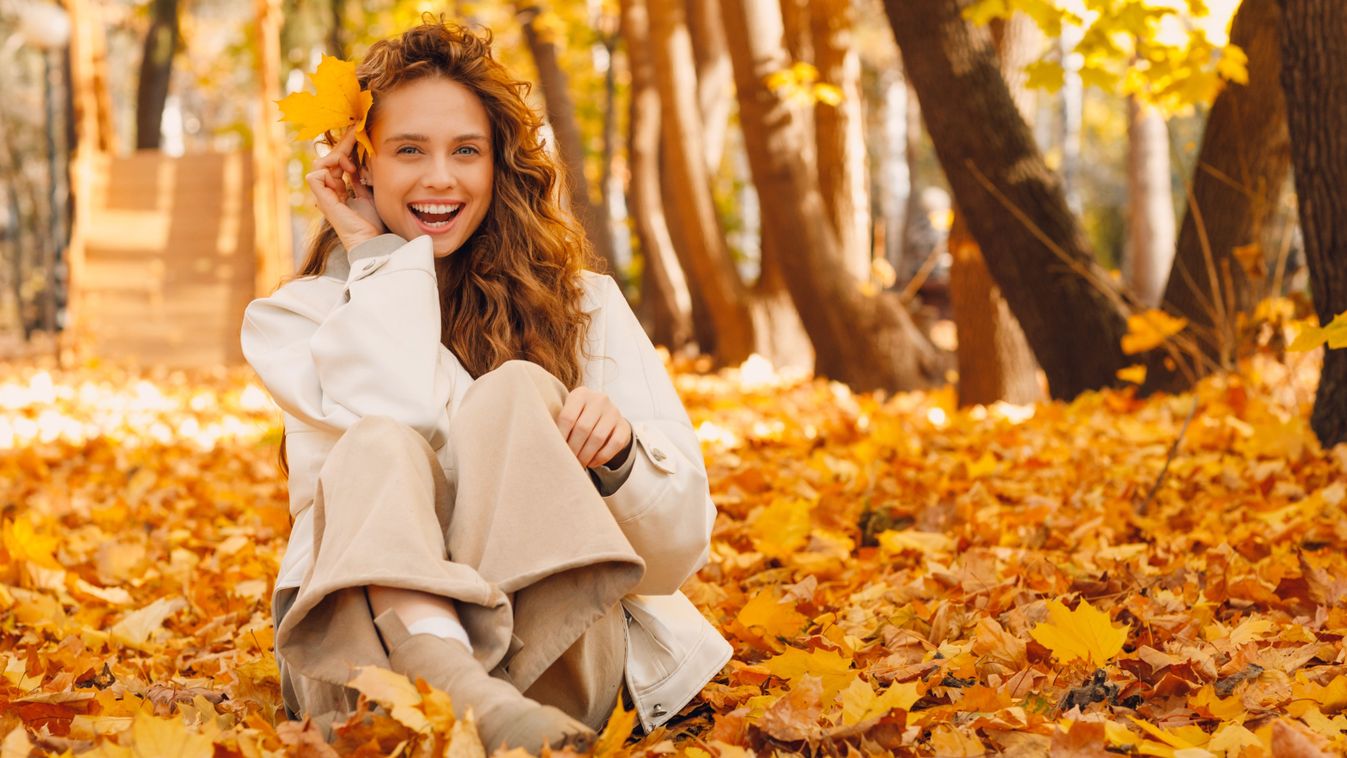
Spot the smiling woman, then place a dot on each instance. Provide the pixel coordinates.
(494, 485)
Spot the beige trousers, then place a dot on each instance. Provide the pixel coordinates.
(513, 530)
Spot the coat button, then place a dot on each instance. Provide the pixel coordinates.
(658, 454)
(657, 711)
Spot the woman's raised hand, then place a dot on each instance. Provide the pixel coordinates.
(347, 204)
(593, 427)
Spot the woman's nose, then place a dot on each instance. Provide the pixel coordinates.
(440, 173)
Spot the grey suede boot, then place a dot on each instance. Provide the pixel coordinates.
(503, 714)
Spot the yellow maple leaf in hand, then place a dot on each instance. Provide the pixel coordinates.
(1086, 633)
(1149, 329)
(336, 104)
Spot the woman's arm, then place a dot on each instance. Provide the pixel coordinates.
(664, 506)
(376, 352)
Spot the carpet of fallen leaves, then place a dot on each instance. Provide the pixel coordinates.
(895, 575)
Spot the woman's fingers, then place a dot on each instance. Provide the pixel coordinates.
(598, 438)
(584, 428)
(592, 427)
(615, 444)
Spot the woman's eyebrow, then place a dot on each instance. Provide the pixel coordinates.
(410, 137)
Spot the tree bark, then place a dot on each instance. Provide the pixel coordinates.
(703, 253)
(156, 69)
(1314, 75)
(93, 109)
(1241, 169)
(867, 341)
(995, 361)
(715, 77)
(1015, 206)
(336, 31)
(665, 302)
(271, 207)
(1150, 203)
(570, 144)
(839, 135)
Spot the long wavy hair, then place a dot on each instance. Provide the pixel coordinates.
(513, 290)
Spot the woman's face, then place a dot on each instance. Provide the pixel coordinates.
(431, 168)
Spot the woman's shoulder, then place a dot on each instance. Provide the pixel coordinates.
(595, 289)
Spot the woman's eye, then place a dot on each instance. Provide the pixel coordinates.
(473, 150)
(407, 150)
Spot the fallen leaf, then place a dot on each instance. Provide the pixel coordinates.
(1081, 634)
(394, 692)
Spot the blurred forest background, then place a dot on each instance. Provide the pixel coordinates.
(893, 194)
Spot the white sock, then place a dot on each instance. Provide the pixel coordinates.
(441, 626)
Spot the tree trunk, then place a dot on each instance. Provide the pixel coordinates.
(1150, 203)
(894, 186)
(1072, 115)
(271, 206)
(715, 77)
(1314, 75)
(1241, 169)
(336, 30)
(839, 135)
(995, 361)
(156, 68)
(1015, 206)
(665, 301)
(867, 341)
(570, 144)
(93, 109)
(704, 253)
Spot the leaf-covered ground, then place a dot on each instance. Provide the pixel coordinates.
(895, 575)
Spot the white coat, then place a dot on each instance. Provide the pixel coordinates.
(363, 339)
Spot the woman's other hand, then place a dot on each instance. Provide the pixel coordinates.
(343, 199)
(593, 427)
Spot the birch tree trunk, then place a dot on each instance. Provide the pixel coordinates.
(1150, 203)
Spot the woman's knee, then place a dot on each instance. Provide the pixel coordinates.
(516, 377)
(378, 437)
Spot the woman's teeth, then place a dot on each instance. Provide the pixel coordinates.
(435, 214)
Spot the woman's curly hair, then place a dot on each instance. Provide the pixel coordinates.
(513, 290)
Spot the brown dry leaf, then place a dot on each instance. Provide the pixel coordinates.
(1083, 739)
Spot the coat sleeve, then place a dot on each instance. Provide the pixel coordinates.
(377, 352)
(664, 507)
